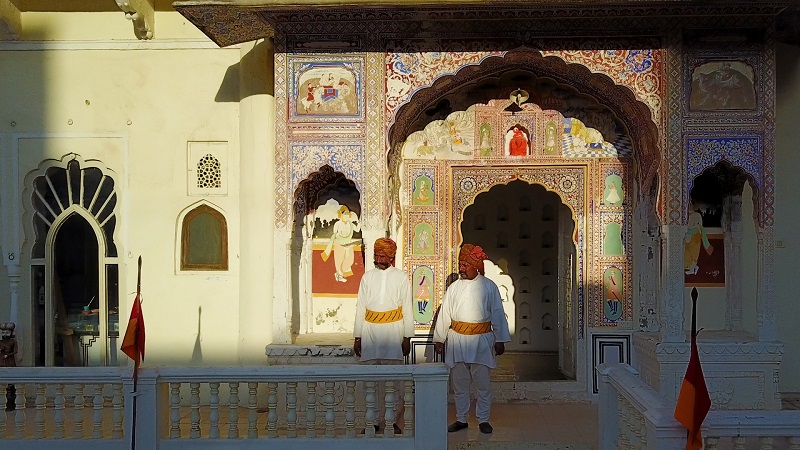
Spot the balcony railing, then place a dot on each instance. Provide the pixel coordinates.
(634, 416)
(283, 407)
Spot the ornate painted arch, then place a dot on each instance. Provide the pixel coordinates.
(637, 116)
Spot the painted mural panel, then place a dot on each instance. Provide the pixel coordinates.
(517, 141)
(422, 233)
(337, 261)
(326, 90)
(613, 190)
(423, 288)
(722, 85)
(703, 254)
(552, 134)
(613, 232)
(613, 294)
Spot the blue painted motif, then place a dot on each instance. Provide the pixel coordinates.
(639, 61)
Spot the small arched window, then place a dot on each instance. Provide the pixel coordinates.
(204, 240)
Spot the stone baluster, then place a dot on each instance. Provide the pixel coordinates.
(252, 406)
(712, 443)
(388, 430)
(175, 410)
(794, 442)
(213, 414)
(233, 411)
(330, 414)
(620, 420)
(77, 414)
(291, 409)
(194, 406)
(39, 417)
(350, 409)
(408, 400)
(116, 426)
(19, 413)
(311, 410)
(58, 413)
(97, 416)
(3, 414)
(272, 405)
(738, 442)
(370, 413)
(626, 425)
(767, 443)
(640, 429)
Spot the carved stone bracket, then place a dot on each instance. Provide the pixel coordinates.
(141, 13)
(10, 21)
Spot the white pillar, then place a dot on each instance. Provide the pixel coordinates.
(369, 235)
(282, 288)
(672, 280)
(256, 160)
(732, 223)
(767, 323)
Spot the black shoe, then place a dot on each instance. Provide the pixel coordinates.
(377, 429)
(456, 426)
(485, 428)
(397, 429)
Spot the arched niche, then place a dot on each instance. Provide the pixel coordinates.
(327, 257)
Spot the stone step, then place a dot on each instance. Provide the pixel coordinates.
(492, 445)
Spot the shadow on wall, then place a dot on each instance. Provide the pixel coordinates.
(197, 352)
(254, 74)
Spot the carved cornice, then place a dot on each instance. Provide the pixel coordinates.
(229, 22)
(10, 21)
(141, 13)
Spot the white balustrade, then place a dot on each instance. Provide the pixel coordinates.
(633, 415)
(86, 408)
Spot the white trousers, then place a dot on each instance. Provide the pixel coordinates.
(380, 394)
(460, 376)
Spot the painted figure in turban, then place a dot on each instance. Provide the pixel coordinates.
(342, 242)
(384, 320)
(474, 327)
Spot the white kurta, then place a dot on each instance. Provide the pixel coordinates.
(383, 290)
(477, 300)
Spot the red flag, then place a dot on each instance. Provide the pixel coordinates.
(693, 399)
(133, 342)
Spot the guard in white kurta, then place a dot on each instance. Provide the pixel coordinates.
(473, 324)
(384, 322)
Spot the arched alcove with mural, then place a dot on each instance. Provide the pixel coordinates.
(327, 252)
(581, 136)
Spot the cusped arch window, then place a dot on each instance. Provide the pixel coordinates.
(204, 240)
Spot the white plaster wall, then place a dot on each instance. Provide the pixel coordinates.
(787, 212)
(136, 110)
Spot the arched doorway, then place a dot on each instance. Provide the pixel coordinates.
(527, 233)
(569, 138)
(74, 264)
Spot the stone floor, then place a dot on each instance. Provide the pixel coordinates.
(531, 426)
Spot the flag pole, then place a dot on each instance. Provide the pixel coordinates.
(136, 362)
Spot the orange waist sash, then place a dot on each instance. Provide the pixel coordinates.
(470, 328)
(384, 316)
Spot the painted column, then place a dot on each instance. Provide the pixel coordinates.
(672, 279)
(733, 262)
(256, 158)
(767, 323)
(645, 259)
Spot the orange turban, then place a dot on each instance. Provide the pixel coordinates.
(474, 255)
(386, 246)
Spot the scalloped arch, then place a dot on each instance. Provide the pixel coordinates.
(634, 114)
